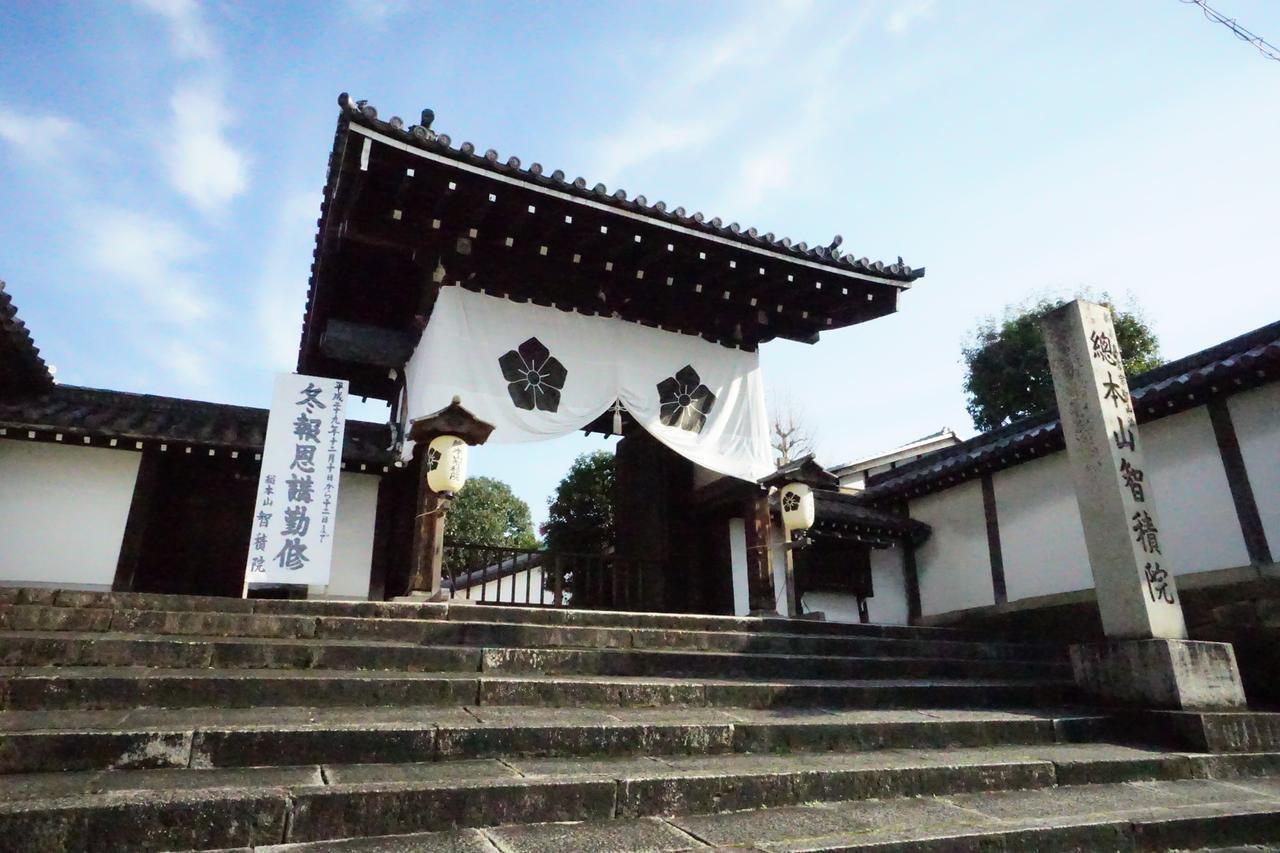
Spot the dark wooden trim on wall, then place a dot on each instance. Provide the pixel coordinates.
(383, 522)
(761, 596)
(135, 528)
(993, 539)
(911, 581)
(910, 575)
(1224, 430)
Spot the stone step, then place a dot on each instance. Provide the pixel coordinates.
(1146, 816)
(460, 610)
(52, 648)
(185, 809)
(442, 632)
(49, 741)
(50, 688)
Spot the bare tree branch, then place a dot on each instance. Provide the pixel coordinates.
(789, 432)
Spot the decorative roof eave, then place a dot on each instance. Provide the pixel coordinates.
(803, 470)
(871, 461)
(1236, 365)
(100, 418)
(841, 516)
(420, 139)
(22, 369)
(496, 571)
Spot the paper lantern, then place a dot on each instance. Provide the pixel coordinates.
(797, 506)
(446, 464)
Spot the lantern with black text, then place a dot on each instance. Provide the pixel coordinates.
(446, 464)
(797, 507)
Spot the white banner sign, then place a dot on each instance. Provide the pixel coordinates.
(536, 372)
(293, 521)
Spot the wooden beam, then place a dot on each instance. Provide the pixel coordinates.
(1246, 505)
(428, 539)
(360, 343)
(761, 595)
(996, 554)
(135, 528)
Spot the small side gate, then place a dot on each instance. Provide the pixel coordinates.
(489, 574)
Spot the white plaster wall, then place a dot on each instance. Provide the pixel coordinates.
(889, 604)
(62, 512)
(1256, 416)
(502, 588)
(954, 564)
(352, 538)
(1041, 539)
(1199, 529)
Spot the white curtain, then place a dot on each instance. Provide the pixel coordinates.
(536, 372)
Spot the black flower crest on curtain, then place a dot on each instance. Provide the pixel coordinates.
(685, 401)
(534, 377)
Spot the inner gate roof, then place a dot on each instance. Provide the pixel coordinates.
(406, 211)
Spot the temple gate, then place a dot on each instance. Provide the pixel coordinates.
(501, 302)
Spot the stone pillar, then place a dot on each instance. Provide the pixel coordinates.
(1147, 660)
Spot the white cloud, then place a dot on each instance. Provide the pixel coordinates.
(282, 286)
(376, 11)
(710, 85)
(907, 13)
(759, 93)
(149, 256)
(203, 165)
(41, 139)
(189, 35)
(190, 365)
(645, 137)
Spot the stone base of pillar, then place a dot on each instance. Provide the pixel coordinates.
(1177, 675)
(420, 595)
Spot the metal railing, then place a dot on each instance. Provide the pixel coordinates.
(490, 574)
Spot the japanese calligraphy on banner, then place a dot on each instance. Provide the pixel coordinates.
(294, 516)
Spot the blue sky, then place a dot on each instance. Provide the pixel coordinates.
(161, 164)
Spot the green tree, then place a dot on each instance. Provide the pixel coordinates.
(487, 512)
(1007, 375)
(580, 519)
(580, 522)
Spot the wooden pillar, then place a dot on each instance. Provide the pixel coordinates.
(429, 521)
(135, 528)
(759, 554)
(999, 589)
(428, 539)
(1224, 431)
(789, 575)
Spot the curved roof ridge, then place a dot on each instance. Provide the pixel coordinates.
(422, 136)
(22, 369)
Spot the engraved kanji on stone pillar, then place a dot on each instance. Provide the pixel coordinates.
(1131, 563)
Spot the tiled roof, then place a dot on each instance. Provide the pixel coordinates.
(863, 461)
(99, 415)
(844, 515)
(1242, 362)
(21, 367)
(422, 136)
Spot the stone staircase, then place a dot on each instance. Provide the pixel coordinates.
(149, 722)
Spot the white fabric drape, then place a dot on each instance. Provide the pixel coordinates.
(536, 372)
